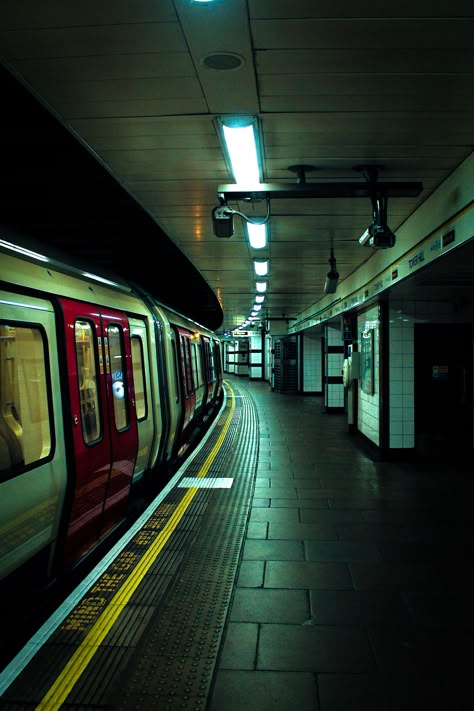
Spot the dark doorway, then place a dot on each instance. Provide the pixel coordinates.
(285, 374)
(443, 391)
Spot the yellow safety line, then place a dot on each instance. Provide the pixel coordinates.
(65, 682)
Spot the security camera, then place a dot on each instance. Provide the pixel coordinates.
(378, 236)
(332, 278)
(223, 221)
(381, 237)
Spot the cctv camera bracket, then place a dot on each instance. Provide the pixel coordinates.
(376, 191)
(302, 189)
(223, 215)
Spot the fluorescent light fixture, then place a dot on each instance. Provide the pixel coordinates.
(261, 267)
(259, 299)
(257, 307)
(261, 286)
(240, 135)
(23, 250)
(257, 235)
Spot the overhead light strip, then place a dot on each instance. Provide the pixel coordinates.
(241, 142)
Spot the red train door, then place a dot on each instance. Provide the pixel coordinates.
(209, 374)
(103, 422)
(187, 383)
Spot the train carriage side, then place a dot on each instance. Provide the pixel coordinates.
(33, 467)
(73, 437)
(101, 390)
(104, 433)
(188, 383)
(211, 354)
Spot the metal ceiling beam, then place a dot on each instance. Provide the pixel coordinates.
(230, 191)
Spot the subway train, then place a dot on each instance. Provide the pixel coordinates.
(104, 391)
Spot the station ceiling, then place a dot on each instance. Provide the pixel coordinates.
(111, 152)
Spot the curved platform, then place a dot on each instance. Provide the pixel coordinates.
(157, 605)
(280, 568)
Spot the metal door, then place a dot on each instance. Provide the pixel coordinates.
(103, 425)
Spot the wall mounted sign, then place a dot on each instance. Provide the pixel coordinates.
(367, 361)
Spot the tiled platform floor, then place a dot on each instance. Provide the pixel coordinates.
(355, 589)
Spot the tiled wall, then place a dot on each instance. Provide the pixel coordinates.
(255, 356)
(229, 357)
(236, 361)
(401, 378)
(312, 364)
(334, 355)
(368, 404)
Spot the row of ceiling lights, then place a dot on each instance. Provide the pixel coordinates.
(241, 143)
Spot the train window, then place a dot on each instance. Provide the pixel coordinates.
(189, 367)
(25, 432)
(186, 360)
(202, 365)
(139, 377)
(86, 356)
(175, 370)
(211, 365)
(117, 369)
(196, 364)
(216, 354)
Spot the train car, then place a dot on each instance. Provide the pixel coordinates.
(103, 392)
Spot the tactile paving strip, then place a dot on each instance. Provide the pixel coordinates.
(174, 666)
(162, 650)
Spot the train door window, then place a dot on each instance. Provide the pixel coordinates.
(205, 355)
(139, 377)
(175, 370)
(186, 355)
(118, 373)
(202, 368)
(189, 367)
(217, 359)
(86, 357)
(25, 427)
(195, 361)
(212, 365)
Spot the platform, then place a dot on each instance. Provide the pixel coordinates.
(282, 568)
